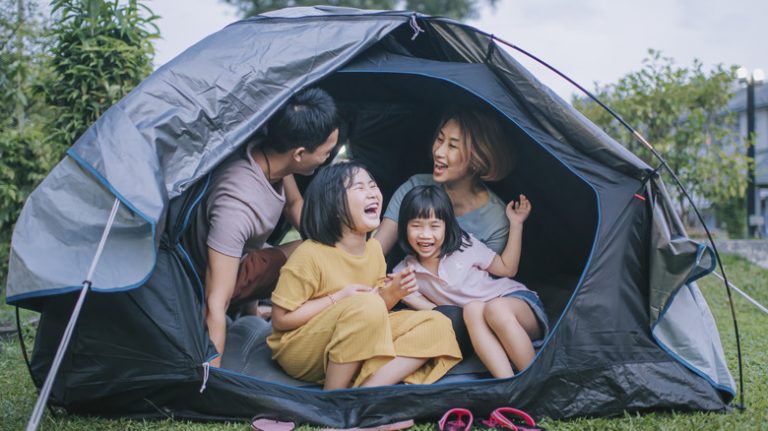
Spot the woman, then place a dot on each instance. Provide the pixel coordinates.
(468, 149)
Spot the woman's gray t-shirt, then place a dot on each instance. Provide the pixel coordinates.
(488, 223)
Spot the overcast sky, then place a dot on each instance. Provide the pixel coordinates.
(588, 40)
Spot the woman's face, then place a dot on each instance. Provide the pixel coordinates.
(449, 152)
(426, 237)
(364, 202)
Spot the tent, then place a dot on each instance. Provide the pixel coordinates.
(609, 257)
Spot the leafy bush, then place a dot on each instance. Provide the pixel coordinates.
(101, 51)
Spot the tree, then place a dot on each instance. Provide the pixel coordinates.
(101, 51)
(457, 9)
(682, 112)
(24, 153)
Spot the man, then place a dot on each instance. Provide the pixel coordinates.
(247, 195)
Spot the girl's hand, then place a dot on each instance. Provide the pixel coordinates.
(398, 286)
(518, 211)
(352, 289)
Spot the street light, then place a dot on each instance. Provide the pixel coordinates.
(756, 78)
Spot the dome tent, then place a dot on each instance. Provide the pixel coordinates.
(610, 259)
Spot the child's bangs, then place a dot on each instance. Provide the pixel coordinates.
(348, 175)
(429, 205)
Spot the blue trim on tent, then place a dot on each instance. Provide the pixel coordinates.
(699, 255)
(544, 147)
(191, 208)
(668, 305)
(690, 279)
(691, 367)
(314, 388)
(177, 243)
(62, 290)
(200, 288)
(85, 165)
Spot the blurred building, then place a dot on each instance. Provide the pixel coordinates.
(738, 105)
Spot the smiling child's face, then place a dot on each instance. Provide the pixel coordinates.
(426, 237)
(364, 201)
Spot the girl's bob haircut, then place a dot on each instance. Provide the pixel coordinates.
(491, 155)
(425, 202)
(325, 210)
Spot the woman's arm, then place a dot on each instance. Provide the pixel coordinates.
(284, 320)
(506, 264)
(387, 234)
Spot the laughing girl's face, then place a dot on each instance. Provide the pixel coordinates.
(364, 202)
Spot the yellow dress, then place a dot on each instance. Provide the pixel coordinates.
(358, 327)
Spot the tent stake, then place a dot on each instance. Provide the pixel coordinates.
(42, 399)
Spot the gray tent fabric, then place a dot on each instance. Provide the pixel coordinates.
(630, 329)
(171, 130)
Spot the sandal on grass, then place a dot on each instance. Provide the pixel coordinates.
(511, 418)
(387, 427)
(457, 419)
(268, 424)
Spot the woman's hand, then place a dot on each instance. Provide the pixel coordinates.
(518, 211)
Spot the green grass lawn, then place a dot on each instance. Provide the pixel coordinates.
(17, 396)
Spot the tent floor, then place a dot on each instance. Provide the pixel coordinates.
(247, 353)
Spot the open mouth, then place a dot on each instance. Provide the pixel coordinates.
(439, 168)
(425, 246)
(372, 209)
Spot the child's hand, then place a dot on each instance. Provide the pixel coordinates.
(518, 211)
(398, 286)
(352, 289)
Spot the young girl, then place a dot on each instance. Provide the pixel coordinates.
(330, 322)
(454, 268)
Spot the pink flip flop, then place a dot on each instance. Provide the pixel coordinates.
(388, 427)
(458, 423)
(511, 418)
(265, 424)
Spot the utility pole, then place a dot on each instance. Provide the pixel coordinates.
(20, 31)
(751, 210)
(754, 220)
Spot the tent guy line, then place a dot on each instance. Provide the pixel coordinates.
(746, 296)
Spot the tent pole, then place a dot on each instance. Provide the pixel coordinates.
(42, 399)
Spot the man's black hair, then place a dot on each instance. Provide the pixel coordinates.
(424, 202)
(325, 209)
(306, 120)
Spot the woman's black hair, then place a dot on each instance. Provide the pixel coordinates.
(425, 202)
(325, 209)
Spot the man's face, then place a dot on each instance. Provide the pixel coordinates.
(309, 161)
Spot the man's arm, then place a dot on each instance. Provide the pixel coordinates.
(220, 279)
(293, 201)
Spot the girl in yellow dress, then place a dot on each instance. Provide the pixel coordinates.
(330, 318)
